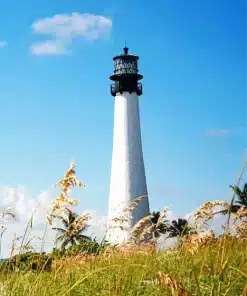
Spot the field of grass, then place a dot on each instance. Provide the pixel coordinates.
(219, 268)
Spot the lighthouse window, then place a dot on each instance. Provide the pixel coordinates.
(123, 66)
(130, 68)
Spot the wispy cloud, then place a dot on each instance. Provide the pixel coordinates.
(237, 131)
(62, 29)
(215, 132)
(49, 47)
(3, 44)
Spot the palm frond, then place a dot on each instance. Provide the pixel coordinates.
(163, 227)
(83, 237)
(155, 217)
(233, 210)
(61, 237)
(178, 227)
(75, 233)
(65, 243)
(61, 219)
(71, 215)
(83, 228)
(245, 188)
(59, 229)
(241, 196)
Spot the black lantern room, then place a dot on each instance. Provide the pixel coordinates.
(126, 75)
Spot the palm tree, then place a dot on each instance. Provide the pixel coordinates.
(161, 226)
(241, 200)
(72, 234)
(179, 228)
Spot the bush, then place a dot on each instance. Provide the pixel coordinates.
(28, 261)
(88, 247)
(85, 246)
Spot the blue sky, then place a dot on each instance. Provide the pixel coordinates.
(56, 104)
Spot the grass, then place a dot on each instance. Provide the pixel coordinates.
(135, 273)
(201, 265)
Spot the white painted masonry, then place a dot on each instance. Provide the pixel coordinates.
(128, 180)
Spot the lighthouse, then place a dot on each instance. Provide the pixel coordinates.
(128, 179)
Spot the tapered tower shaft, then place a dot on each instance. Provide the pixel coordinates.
(128, 180)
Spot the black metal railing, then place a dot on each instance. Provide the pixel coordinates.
(120, 88)
(139, 89)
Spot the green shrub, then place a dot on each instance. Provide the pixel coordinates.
(28, 261)
(85, 246)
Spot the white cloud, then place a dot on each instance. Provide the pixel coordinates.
(49, 47)
(23, 204)
(171, 216)
(3, 44)
(98, 225)
(61, 29)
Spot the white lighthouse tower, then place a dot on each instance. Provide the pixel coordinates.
(128, 180)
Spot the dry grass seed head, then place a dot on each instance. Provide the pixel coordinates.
(138, 229)
(130, 248)
(122, 219)
(147, 227)
(206, 212)
(7, 212)
(241, 214)
(165, 281)
(162, 216)
(63, 200)
(195, 242)
(241, 228)
(134, 203)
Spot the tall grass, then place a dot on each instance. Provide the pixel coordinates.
(173, 272)
(201, 264)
